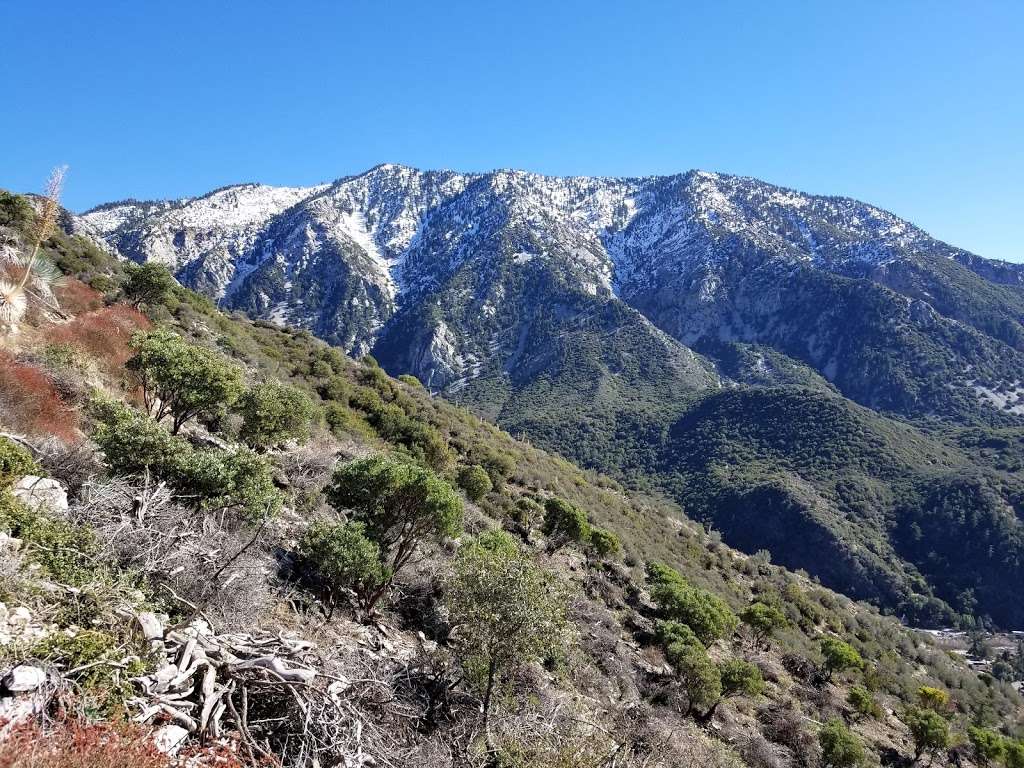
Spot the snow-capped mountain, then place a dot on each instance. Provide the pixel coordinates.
(452, 276)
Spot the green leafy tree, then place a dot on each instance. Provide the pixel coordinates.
(273, 413)
(148, 284)
(504, 609)
(707, 615)
(741, 678)
(697, 674)
(565, 523)
(1002, 670)
(929, 730)
(764, 620)
(839, 655)
(181, 380)
(400, 505)
(988, 745)
(475, 482)
(839, 747)
(345, 558)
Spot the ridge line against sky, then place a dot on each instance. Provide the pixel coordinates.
(478, 173)
(912, 107)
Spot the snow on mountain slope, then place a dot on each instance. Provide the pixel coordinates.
(435, 256)
(627, 228)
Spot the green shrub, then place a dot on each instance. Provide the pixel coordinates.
(15, 462)
(345, 558)
(15, 210)
(412, 381)
(336, 388)
(988, 745)
(527, 512)
(935, 699)
(132, 443)
(499, 467)
(697, 674)
(505, 611)
(425, 444)
(239, 481)
(475, 482)
(109, 684)
(342, 420)
(669, 632)
(181, 380)
(839, 655)
(103, 283)
(401, 505)
(393, 424)
(928, 728)
(273, 413)
(604, 543)
(863, 702)
(66, 552)
(763, 619)
(565, 523)
(740, 677)
(498, 541)
(839, 747)
(1014, 754)
(707, 615)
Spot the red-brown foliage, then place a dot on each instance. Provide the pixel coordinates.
(221, 756)
(75, 297)
(103, 334)
(31, 404)
(74, 744)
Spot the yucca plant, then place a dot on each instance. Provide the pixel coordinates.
(23, 277)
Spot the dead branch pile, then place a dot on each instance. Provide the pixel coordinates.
(262, 690)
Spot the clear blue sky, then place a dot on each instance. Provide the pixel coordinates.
(914, 106)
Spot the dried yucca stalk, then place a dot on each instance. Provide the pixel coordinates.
(36, 270)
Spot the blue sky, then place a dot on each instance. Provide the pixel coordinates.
(914, 106)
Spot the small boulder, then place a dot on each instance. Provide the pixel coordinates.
(35, 492)
(19, 616)
(170, 738)
(24, 678)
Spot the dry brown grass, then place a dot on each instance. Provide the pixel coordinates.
(103, 334)
(75, 744)
(30, 404)
(75, 297)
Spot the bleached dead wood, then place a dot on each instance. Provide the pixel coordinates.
(262, 689)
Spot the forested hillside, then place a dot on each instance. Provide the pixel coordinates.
(225, 542)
